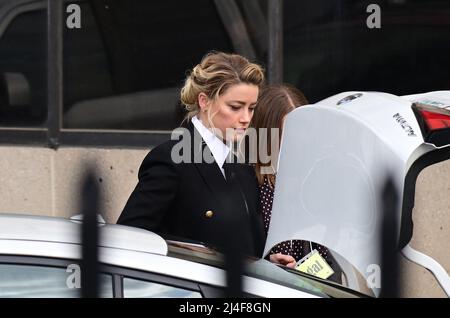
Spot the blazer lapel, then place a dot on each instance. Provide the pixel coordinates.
(205, 164)
(242, 195)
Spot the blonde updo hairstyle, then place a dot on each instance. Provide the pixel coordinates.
(214, 75)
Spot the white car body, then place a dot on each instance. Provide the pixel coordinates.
(127, 252)
(335, 159)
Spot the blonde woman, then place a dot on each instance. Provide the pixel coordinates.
(201, 197)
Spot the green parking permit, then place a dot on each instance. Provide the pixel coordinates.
(315, 264)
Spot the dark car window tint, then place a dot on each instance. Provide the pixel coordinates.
(28, 281)
(23, 70)
(134, 288)
(124, 67)
(328, 47)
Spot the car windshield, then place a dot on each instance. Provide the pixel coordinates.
(262, 269)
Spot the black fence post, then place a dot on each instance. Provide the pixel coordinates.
(90, 234)
(389, 242)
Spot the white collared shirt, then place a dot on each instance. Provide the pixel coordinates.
(218, 149)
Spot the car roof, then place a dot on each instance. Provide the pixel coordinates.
(61, 230)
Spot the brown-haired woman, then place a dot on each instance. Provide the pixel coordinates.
(274, 103)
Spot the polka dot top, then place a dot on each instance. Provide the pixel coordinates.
(296, 248)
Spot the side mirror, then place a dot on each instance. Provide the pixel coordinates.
(14, 90)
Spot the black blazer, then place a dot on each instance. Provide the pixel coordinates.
(194, 200)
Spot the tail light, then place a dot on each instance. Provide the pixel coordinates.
(434, 122)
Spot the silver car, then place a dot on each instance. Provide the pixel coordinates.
(40, 257)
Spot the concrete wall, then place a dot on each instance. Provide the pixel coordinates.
(46, 182)
(431, 217)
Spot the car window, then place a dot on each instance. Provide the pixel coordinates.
(406, 55)
(262, 269)
(292, 278)
(123, 68)
(31, 281)
(23, 69)
(136, 288)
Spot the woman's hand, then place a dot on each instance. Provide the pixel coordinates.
(286, 260)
